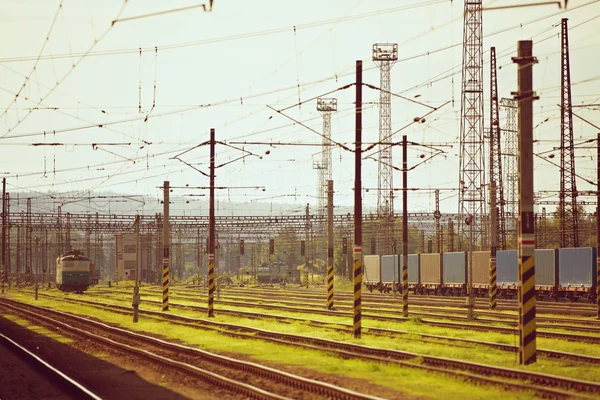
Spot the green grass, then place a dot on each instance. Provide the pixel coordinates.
(405, 381)
(412, 343)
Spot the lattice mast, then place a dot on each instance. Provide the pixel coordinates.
(509, 164)
(324, 167)
(569, 232)
(385, 56)
(496, 153)
(471, 174)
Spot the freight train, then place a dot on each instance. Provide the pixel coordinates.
(568, 273)
(74, 272)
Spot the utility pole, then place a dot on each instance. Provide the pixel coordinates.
(211, 228)
(306, 244)
(35, 288)
(136, 288)
(4, 276)
(493, 225)
(357, 269)
(330, 245)
(437, 215)
(496, 155)
(450, 235)
(404, 227)
(598, 224)
(525, 97)
(166, 243)
(28, 230)
(569, 218)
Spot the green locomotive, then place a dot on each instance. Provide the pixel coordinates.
(73, 272)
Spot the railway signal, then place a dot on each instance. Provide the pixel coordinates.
(242, 247)
(271, 246)
(344, 246)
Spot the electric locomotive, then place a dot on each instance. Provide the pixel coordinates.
(74, 272)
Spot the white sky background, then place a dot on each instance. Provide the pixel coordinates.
(262, 70)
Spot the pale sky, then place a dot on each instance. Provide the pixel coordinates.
(224, 68)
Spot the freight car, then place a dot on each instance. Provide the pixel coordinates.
(560, 273)
(73, 272)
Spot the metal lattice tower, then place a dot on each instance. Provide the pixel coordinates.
(472, 175)
(569, 235)
(496, 152)
(385, 56)
(326, 107)
(509, 164)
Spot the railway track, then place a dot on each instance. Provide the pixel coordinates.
(393, 305)
(513, 379)
(347, 328)
(422, 310)
(171, 355)
(68, 385)
(482, 324)
(579, 309)
(450, 301)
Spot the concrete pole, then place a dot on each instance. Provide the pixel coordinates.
(357, 269)
(306, 244)
(36, 240)
(211, 229)
(330, 245)
(404, 227)
(166, 244)
(493, 247)
(526, 229)
(598, 224)
(136, 288)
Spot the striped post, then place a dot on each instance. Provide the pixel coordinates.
(211, 285)
(405, 287)
(493, 226)
(493, 285)
(357, 291)
(330, 245)
(330, 284)
(2, 277)
(526, 227)
(165, 285)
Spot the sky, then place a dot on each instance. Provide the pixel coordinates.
(82, 111)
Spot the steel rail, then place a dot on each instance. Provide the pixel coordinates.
(465, 369)
(298, 382)
(57, 377)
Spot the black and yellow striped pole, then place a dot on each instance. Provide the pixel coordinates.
(2, 277)
(166, 246)
(211, 229)
(493, 237)
(404, 228)
(526, 231)
(330, 245)
(357, 309)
